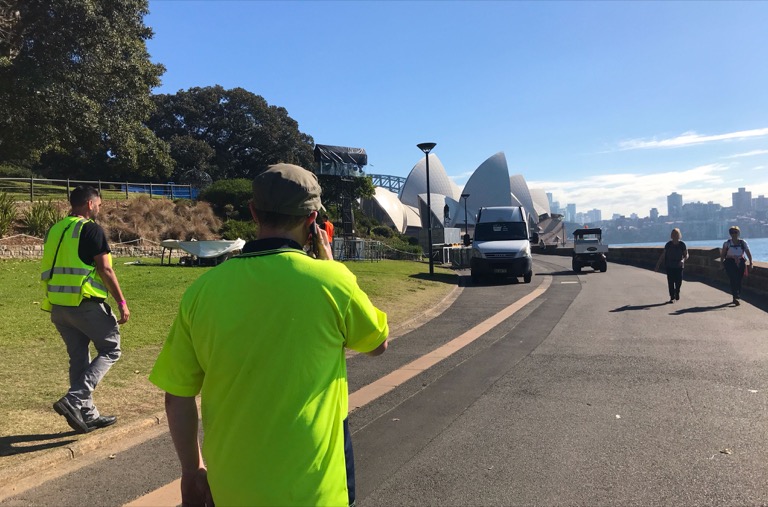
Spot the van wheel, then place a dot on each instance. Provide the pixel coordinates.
(604, 267)
(527, 277)
(576, 266)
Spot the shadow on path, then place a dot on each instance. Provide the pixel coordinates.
(699, 309)
(637, 307)
(450, 278)
(8, 447)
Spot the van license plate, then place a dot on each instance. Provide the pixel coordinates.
(499, 270)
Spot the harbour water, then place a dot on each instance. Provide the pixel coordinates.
(758, 246)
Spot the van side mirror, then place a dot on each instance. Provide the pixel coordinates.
(467, 241)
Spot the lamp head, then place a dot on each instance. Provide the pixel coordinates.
(426, 147)
(464, 196)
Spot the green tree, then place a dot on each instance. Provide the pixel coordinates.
(190, 154)
(335, 188)
(75, 83)
(244, 131)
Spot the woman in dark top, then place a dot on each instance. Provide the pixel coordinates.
(674, 256)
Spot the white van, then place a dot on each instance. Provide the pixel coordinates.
(502, 244)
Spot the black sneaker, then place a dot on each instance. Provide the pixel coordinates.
(73, 416)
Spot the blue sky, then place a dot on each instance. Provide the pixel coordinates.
(608, 105)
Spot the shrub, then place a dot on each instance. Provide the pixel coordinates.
(13, 171)
(40, 217)
(233, 229)
(229, 198)
(7, 213)
(383, 231)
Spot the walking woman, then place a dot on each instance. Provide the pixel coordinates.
(674, 256)
(732, 257)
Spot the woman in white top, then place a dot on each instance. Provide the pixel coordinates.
(732, 257)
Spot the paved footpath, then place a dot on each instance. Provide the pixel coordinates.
(575, 389)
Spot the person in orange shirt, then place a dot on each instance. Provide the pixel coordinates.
(327, 225)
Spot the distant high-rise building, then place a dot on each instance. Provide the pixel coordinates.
(594, 216)
(700, 211)
(742, 200)
(654, 214)
(633, 216)
(674, 205)
(760, 203)
(549, 198)
(570, 212)
(617, 216)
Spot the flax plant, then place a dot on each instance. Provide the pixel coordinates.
(40, 217)
(7, 213)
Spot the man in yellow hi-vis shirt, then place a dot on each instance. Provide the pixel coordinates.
(261, 338)
(78, 277)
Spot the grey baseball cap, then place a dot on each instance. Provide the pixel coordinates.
(287, 189)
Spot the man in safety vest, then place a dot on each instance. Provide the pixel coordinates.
(78, 277)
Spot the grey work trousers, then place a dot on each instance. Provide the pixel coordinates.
(79, 326)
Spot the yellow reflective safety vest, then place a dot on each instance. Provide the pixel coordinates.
(66, 278)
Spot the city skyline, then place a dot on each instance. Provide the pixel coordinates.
(742, 201)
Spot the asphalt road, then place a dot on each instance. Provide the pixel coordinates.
(596, 393)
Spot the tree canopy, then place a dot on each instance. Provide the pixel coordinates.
(75, 83)
(244, 131)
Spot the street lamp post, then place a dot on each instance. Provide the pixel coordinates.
(426, 148)
(466, 226)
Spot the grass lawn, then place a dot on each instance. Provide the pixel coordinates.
(33, 361)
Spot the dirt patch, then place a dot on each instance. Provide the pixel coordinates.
(139, 218)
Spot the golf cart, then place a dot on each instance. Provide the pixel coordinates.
(589, 250)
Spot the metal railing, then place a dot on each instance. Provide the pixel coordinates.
(36, 189)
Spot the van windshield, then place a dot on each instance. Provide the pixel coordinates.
(500, 231)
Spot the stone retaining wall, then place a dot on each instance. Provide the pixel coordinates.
(704, 263)
(36, 251)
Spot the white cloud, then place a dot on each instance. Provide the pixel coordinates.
(689, 138)
(748, 154)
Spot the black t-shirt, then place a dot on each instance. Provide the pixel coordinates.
(673, 254)
(93, 242)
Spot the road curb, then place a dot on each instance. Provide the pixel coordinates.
(421, 319)
(9, 477)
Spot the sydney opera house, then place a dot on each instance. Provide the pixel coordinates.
(489, 185)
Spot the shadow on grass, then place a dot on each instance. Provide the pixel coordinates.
(449, 278)
(637, 307)
(8, 445)
(699, 309)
